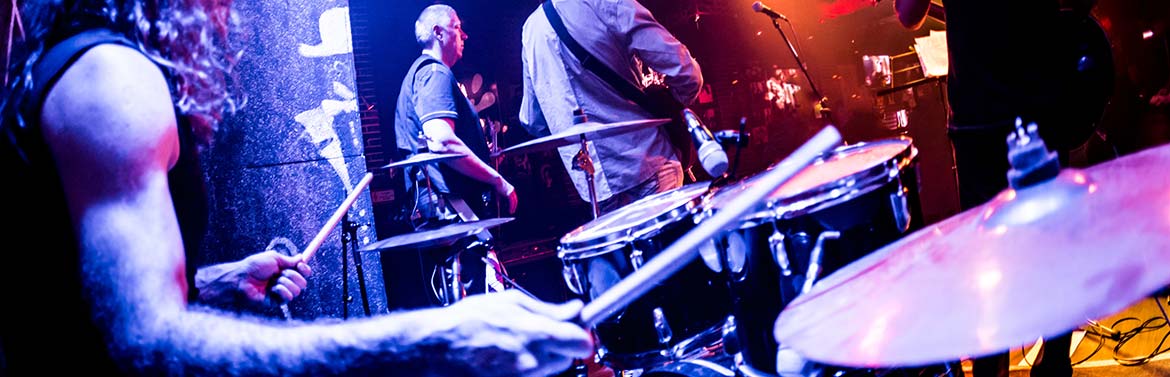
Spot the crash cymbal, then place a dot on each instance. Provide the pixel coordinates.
(422, 158)
(437, 237)
(589, 130)
(1034, 262)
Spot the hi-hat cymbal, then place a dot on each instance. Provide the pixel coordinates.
(1034, 262)
(588, 130)
(437, 237)
(422, 158)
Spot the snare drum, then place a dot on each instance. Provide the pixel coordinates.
(849, 202)
(680, 315)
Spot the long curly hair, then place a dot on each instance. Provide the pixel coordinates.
(197, 41)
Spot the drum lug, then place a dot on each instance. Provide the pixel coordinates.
(730, 339)
(636, 259)
(779, 253)
(572, 279)
(901, 208)
(814, 259)
(662, 327)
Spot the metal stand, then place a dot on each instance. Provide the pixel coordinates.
(351, 233)
(451, 274)
(348, 245)
(583, 162)
(823, 102)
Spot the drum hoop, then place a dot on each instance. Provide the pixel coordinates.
(831, 193)
(608, 243)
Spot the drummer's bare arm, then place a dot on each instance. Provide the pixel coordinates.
(109, 126)
(911, 13)
(441, 137)
(657, 48)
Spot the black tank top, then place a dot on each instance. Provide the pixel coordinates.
(46, 324)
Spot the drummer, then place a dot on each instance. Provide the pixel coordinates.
(433, 114)
(631, 165)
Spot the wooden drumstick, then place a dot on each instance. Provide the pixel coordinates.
(315, 244)
(681, 252)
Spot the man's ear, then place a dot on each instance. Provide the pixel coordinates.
(438, 30)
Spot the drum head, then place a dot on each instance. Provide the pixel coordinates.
(839, 173)
(639, 218)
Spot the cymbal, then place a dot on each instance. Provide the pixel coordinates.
(573, 135)
(422, 158)
(1034, 262)
(444, 236)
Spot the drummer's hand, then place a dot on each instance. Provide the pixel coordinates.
(510, 334)
(254, 279)
(508, 192)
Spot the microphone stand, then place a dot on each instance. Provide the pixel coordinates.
(823, 102)
(739, 145)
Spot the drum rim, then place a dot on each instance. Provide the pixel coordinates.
(830, 194)
(609, 242)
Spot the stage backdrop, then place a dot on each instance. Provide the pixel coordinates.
(287, 161)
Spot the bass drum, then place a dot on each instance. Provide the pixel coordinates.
(677, 318)
(848, 203)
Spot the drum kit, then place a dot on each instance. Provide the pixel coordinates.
(825, 255)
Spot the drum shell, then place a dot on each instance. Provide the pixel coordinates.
(865, 220)
(694, 300)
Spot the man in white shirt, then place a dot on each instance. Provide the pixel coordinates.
(625, 37)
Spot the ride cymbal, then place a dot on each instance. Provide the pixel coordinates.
(1033, 262)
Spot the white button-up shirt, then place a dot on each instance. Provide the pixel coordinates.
(624, 36)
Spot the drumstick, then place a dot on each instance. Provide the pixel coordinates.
(315, 244)
(681, 252)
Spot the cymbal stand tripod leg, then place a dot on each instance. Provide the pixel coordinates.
(349, 245)
(482, 249)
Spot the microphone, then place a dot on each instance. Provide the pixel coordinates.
(711, 154)
(761, 8)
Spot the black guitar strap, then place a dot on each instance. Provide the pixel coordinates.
(607, 74)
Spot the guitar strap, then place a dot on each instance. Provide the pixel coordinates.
(679, 137)
(607, 74)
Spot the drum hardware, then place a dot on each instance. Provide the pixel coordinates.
(730, 343)
(778, 252)
(449, 289)
(661, 327)
(901, 207)
(594, 270)
(442, 237)
(422, 158)
(776, 244)
(674, 321)
(636, 260)
(814, 260)
(480, 248)
(1082, 245)
(349, 234)
(685, 249)
(740, 140)
(584, 163)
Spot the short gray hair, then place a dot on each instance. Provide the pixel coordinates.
(425, 25)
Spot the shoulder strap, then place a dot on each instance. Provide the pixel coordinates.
(50, 67)
(607, 74)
